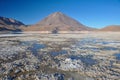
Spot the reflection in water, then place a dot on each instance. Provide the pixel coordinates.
(96, 41)
(55, 53)
(109, 48)
(117, 56)
(98, 49)
(34, 46)
(95, 45)
(87, 59)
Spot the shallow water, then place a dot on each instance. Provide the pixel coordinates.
(96, 45)
(55, 53)
(33, 46)
(117, 56)
(109, 48)
(87, 59)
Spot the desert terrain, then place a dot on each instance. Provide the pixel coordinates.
(58, 48)
(59, 39)
(74, 56)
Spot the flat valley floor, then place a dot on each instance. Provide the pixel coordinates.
(75, 56)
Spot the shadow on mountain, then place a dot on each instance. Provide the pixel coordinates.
(5, 29)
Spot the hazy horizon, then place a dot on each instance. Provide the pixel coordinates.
(92, 13)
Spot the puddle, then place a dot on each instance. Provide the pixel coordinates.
(33, 46)
(96, 41)
(98, 49)
(109, 48)
(108, 42)
(103, 42)
(55, 53)
(91, 48)
(87, 59)
(88, 41)
(117, 56)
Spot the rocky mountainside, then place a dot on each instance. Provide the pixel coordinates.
(54, 22)
(9, 24)
(111, 28)
(60, 22)
(9, 21)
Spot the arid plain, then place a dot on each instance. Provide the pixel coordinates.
(82, 55)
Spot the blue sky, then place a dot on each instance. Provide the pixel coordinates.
(93, 13)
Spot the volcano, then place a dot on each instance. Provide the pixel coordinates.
(60, 22)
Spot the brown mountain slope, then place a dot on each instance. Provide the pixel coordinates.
(111, 28)
(8, 24)
(58, 21)
(9, 21)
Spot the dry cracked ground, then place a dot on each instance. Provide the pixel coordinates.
(83, 56)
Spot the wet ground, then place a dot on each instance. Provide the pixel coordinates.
(117, 55)
(89, 57)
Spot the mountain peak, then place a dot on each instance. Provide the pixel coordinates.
(60, 21)
(58, 13)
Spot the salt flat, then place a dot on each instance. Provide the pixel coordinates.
(89, 55)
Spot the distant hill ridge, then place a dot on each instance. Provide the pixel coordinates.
(9, 21)
(111, 28)
(9, 24)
